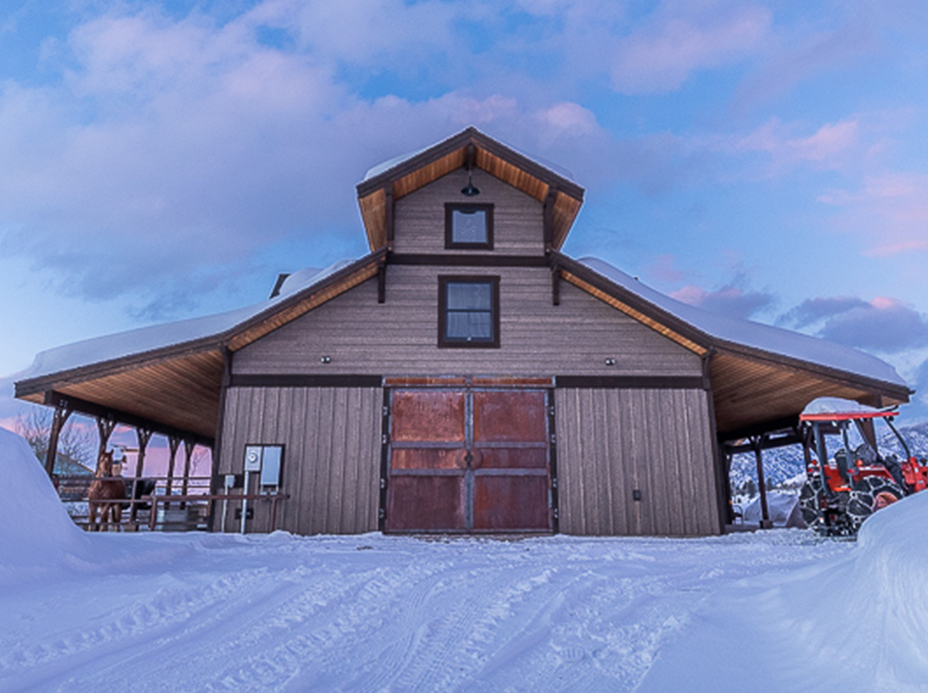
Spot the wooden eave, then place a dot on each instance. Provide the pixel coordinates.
(178, 386)
(375, 195)
(750, 386)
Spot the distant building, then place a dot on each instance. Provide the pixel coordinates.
(465, 375)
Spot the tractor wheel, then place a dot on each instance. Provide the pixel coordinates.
(808, 501)
(868, 496)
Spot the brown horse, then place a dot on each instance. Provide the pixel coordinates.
(105, 495)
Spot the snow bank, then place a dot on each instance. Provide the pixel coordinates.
(857, 624)
(35, 531)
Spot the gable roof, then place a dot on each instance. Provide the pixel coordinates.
(167, 377)
(398, 177)
(759, 374)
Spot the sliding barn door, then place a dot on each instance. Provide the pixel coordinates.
(469, 460)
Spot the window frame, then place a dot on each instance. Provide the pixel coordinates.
(451, 208)
(443, 282)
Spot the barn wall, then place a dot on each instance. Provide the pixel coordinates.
(331, 458)
(419, 218)
(400, 336)
(611, 442)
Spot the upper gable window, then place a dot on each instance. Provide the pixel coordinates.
(468, 226)
(468, 311)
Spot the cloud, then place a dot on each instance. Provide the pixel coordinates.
(888, 211)
(172, 151)
(836, 145)
(884, 325)
(734, 299)
(664, 268)
(660, 57)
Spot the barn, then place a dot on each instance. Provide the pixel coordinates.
(465, 375)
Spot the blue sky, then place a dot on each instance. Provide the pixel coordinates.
(764, 159)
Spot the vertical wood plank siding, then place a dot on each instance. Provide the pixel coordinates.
(400, 336)
(517, 218)
(331, 459)
(611, 442)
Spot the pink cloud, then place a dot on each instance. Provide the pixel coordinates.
(665, 269)
(567, 118)
(832, 146)
(662, 56)
(889, 212)
(731, 300)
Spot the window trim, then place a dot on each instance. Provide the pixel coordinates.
(451, 208)
(443, 281)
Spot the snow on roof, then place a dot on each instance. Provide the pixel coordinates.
(752, 334)
(837, 405)
(145, 339)
(744, 332)
(385, 166)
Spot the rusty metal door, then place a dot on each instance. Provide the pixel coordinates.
(469, 460)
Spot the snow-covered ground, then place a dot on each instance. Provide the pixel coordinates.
(778, 611)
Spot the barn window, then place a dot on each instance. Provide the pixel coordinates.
(468, 312)
(468, 226)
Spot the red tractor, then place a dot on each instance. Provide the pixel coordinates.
(858, 480)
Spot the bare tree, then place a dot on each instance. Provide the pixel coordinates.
(76, 442)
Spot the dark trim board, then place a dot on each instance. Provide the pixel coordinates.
(468, 260)
(788, 422)
(629, 382)
(306, 380)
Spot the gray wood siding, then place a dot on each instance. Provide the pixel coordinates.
(331, 458)
(400, 336)
(419, 218)
(611, 442)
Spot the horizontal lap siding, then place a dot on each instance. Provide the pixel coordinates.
(611, 442)
(517, 218)
(362, 336)
(331, 459)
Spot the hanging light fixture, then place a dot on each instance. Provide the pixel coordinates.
(470, 190)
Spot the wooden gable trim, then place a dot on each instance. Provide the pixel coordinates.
(564, 212)
(633, 313)
(374, 215)
(376, 196)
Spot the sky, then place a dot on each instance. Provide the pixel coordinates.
(164, 160)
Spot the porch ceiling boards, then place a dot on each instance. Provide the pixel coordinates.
(180, 392)
(750, 391)
(489, 155)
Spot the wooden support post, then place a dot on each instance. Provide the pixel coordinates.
(189, 445)
(144, 437)
(173, 444)
(757, 444)
(62, 412)
(105, 427)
